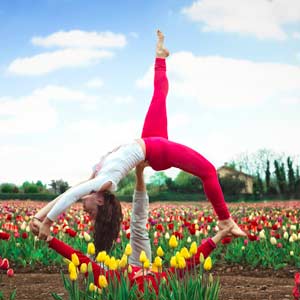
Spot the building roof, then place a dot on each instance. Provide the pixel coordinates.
(234, 171)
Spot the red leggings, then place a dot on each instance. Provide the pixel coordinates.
(163, 154)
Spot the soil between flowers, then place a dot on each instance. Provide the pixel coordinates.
(254, 285)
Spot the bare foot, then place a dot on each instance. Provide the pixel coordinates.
(161, 51)
(235, 231)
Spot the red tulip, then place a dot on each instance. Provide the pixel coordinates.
(24, 235)
(5, 264)
(178, 235)
(71, 232)
(10, 272)
(296, 293)
(159, 227)
(252, 237)
(4, 236)
(171, 226)
(192, 229)
(297, 278)
(227, 240)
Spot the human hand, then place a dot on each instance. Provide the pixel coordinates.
(139, 169)
(49, 238)
(34, 226)
(44, 231)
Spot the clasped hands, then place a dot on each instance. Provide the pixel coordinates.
(41, 229)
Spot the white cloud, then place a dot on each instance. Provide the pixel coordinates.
(220, 146)
(296, 35)
(27, 114)
(51, 61)
(81, 39)
(264, 19)
(291, 100)
(95, 83)
(35, 113)
(216, 81)
(124, 99)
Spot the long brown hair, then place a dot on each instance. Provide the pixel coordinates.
(107, 223)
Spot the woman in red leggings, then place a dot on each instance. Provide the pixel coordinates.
(154, 147)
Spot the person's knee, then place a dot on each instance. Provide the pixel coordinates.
(210, 171)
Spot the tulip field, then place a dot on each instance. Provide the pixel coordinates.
(272, 247)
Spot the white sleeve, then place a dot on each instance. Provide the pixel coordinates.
(75, 193)
(140, 205)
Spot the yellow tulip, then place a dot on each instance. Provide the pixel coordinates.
(158, 262)
(160, 252)
(123, 261)
(91, 249)
(173, 242)
(73, 276)
(128, 250)
(102, 281)
(146, 263)
(83, 268)
(181, 262)
(129, 269)
(113, 265)
(101, 256)
(143, 256)
(193, 248)
(173, 262)
(92, 287)
(107, 260)
(207, 264)
(72, 267)
(185, 253)
(75, 259)
(154, 268)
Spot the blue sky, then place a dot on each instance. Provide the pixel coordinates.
(76, 79)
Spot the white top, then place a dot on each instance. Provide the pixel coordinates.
(112, 168)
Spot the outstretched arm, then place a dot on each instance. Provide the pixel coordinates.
(99, 183)
(67, 251)
(139, 237)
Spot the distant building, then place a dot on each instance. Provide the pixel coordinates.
(248, 179)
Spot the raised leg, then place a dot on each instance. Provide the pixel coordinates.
(156, 123)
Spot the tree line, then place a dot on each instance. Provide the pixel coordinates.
(274, 175)
(55, 187)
